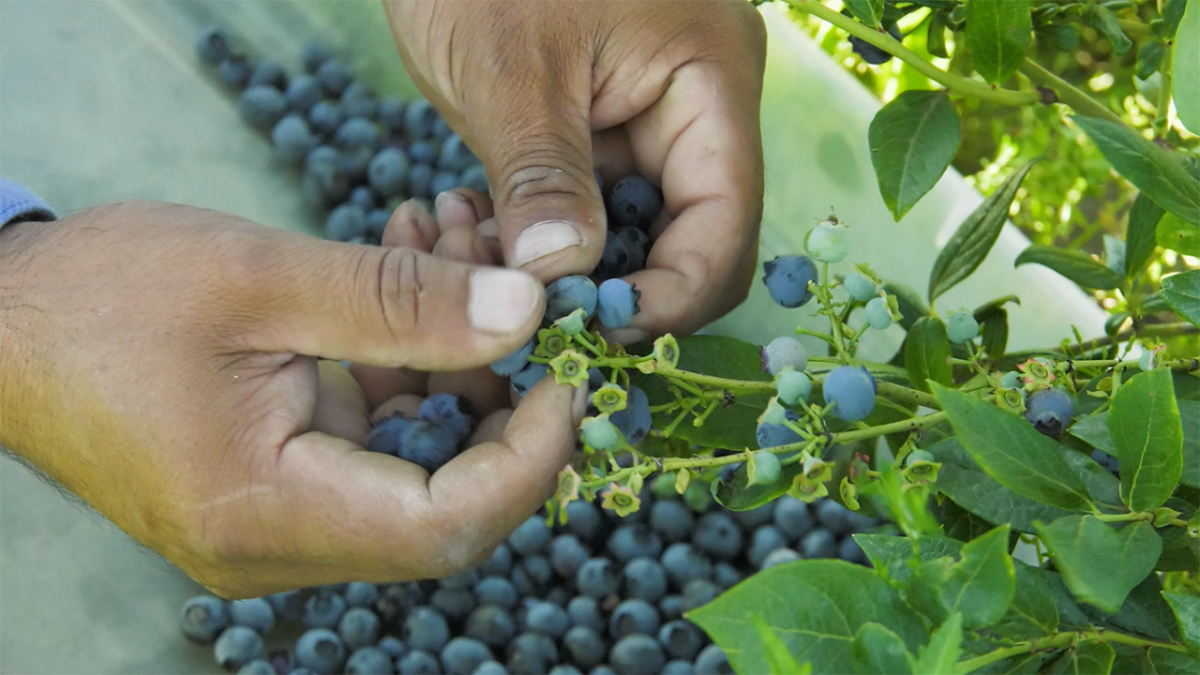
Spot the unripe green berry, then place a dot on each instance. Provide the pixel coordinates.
(793, 387)
(600, 433)
(961, 326)
(827, 242)
(763, 468)
(860, 286)
(877, 313)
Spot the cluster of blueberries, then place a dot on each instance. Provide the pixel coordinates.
(361, 154)
(600, 594)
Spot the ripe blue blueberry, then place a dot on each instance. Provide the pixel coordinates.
(852, 392)
(793, 386)
(548, 619)
(358, 627)
(235, 71)
(567, 554)
(287, 606)
(426, 629)
(774, 435)
(333, 76)
(634, 540)
(392, 646)
(850, 551)
(878, 315)
(357, 132)
(355, 160)
(713, 661)
(619, 257)
(491, 668)
(368, 660)
(765, 540)
(597, 578)
(420, 180)
(787, 278)
(429, 445)
(819, 543)
(683, 562)
(644, 579)
(292, 139)
(377, 220)
(755, 517)
(792, 518)
(203, 618)
(585, 611)
(419, 662)
(527, 377)
(312, 56)
(827, 242)
(531, 537)
(671, 607)
(386, 436)
(1049, 411)
(388, 172)
(633, 616)
(499, 564)
(583, 520)
(496, 590)
(718, 536)
(455, 156)
(441, 130)
(443, 181)
(584, 647)
(637, 654)
(634, 421)
(462, 655)
(237, 646)
(726, 575)
(961, 326)
(780, 557)
(423, 152)
(419, 117)
(257, 667)
(253, 613)
(324, 610)
(491, 625)
(783, 352)
(325, 117)
(213, 46)
(699, 592)
(671, 520)
(450, 411)
(860, 286)
(679, 667)
(269, 74)
(869, 52)
(681, 639)
(360, 594)
(390, 113)
(262, 106)
(531, 654)
(345, 223)
(836, 518)
(1112, 464)
(635, 202)
(599, 432)
(358, 100)
(475, 177)
(617, 303)
(568, 294)
(302, 93)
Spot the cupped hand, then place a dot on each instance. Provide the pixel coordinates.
(542, 91)
(160, 362)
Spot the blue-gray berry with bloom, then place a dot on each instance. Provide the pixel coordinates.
(617, 303)
(527, 377)
(878, 314)
(773, 435)
(369, 660)
(851, 391)
(388, 172)
(787, 278)
(358, 100)
(634, 421)
(419, 117)
(235, 71)
(262, 106)
(292, 139)
(237, 646)
(783, 352)
(860, 286)
(253, 613)
(213, 46)
(1049, 411)
(346, 222)
(386, 436)
(961, 326)
(570, 293)
(269, 74)
(320, 650)
(514, 362)
(429, 445)
(302, 93)
(449, 411)
(333, 76)
(635, 202)
(325, 117)
(357, 132)
(203, 618)
(312, 56)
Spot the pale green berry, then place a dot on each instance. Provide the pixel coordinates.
(600, 433)
(827, 243)
(860, 286)
(961, 326)
(793, 386)
(877, 313)
(763, 468)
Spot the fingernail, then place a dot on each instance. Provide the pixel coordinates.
(543, 239)
(451, 203)
(501, 300)
(579, 403)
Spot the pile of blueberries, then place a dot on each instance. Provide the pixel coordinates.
(600, 594)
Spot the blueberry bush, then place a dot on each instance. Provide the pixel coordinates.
(763, 509)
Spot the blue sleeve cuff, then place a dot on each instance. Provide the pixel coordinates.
(16, 201)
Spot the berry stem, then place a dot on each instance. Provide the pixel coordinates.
(1067, 93)
(839, 343)
(902, 394)
(887, 43)
(813, 333)
(1060, 641)
(735, 387)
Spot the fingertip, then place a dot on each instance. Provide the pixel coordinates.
(411, 226)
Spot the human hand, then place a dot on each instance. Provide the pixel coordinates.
(158, 361)
(671, 90)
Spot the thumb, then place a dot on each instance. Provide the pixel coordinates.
(535, 141)
(391, 306)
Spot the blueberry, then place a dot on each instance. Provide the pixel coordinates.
(568, 294)
(878, 315)
(455, 604)
(961, 326)
(312, 56)
(635, 202)
(548, 619)
(584, 647)
(369, 660)
(392, 646)
(346, 222)
(419, 117)
(793, 387)
(423, 152)
(838, 519)
(426, 629)
(671, 607)
(443, 181)
(827, 242)
(585, 611)
(819, 543)
(539, 571)
(1107, 461)
(261, 107)
(429, 445)
(567, 554)
(292, 139)
(637, 655)
(781, 353)
(699, 592)
(644, 579)
(766, 539)
(615, 260)
(726, 575)
(388, 172)
(269, 74)
(385, 436)
(531, 537)
(287, 606)
(597, 578)
(717, 535)
(565, 669)
(359, 101)
(441, 129)
(583, 520)
(254, 613)
(377, 220)
(358, 627)
(681, 639)
(678, 667)
(684, 563)
(527, 377)
(860, 286)
(203, 618)
(713, 661)
(235, 71)
(357, 132)
(792, 517)
(779, 557)
(333, 76)
(751, 519)
(498, 564)
(448, 410)
(634, 421)
(257, 667)
(787, 278)
(636, 243)
(491, 625)
(852, 390)
(617, 303)
(455, 156)
(324, 610)
(671, 520)
(774, 435)
(497, 591)
(418, 662)
(531, 654)
(633, 616)
(850, 551)
(514, 362)
(420, 180)
(1049, 411)
(213, 46)
(362, 197)
(634, 540)
(869, 52)
(237, 646)
(602, 670)
(324, 179)
(475, 177)
(491, 668)
(396, 600)
(462, 655)
(325, 117)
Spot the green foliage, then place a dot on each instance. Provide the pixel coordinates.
(998, 31)
(1182, 293)
(927, 353)
(912, 141)
(1084, 549)
(1089, 658)
(1186, 75)
(1074, 265)
(1146, 430)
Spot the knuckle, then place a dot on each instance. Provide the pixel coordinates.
(542, 164)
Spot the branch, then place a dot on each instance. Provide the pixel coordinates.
(1060, 641)
(1068, 94)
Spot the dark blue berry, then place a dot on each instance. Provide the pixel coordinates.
(362, 197)
(718, 536)
(357, 132)
(869, 52)
(787, 278)
(568, 294)
(443, 181)
(585, 611)
(426, 629)
(1049, 411)
(455, 156)
(377, 220)
(359, 101)
(235, 71)
(497, 591)
(635, 202)
(766, 539)
(491, 668)
(597, 578)
(491, 625)
(368, 660)
(385, 437)
(754, 517)
(262, 106)
(726, 575)
(475, 177)
(287, 606)
(633, 616)
(257, 667)
(420, 180)
(213, 46)
(455, 605)
(671, 520)
(634, 421)
(775, 435)
(699, 592)
(531, 654)
(269, 74)
(637, 654)
(358, 627)
(203, 618)
(584, 647)
(617, 303)
(392, 646)
(462, 655)
(345, 223)
(671, 607)
(644, 579)
(684, 563)
(836, 518)
(312, 56)
(713, 661)
(514, 362)
(324, 610)
(531, 537)
(419, 662)
(567, 554)
(422, 151)
(634, 540)
(429, 445)
(548, 619)
(292, 139)
(1107, 461)
(498, 564)
(237, 646)
(325, 117)
(681, 639)
(253, 613)
(850, 551)
(583, 520)
(302, 93)
(538, 570)
(819, 543)
(852, 392)
(792, 517)
(333, 76)
(678, 667)
(419, 117)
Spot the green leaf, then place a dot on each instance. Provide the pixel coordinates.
(1085, 658)
(1012, 451)
(912, 140)
(980, 586)
(908, 302)
(1103, 488)
(1172, 14)
(1102, 19)
(1156, 660)
(1084, 549)
(779, 660)
(815, 606)
(935, 38)
(1071, 615)
(1074, 265)
(1140, 234)
(1189, 418)
(977, 234)
(1144, 612)
(869, 12)
(878, 650)
(993, 331)
(1032, 613)
(1093, 430)
(736, 494)
(957, 522)
(1182, 293)
(1153, 170)
(941, 655)
(998, 31)
(927, 354)
(1145, 426)
(894, 555)
(1187, 613)
(1186, 80)
(1149, 58)
(1025, 664)
(1174, 234)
